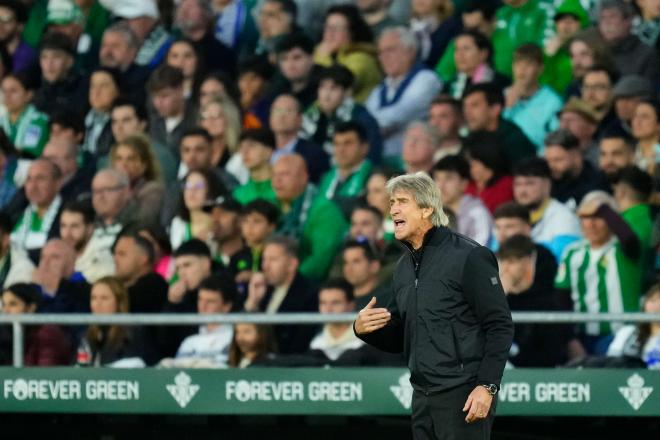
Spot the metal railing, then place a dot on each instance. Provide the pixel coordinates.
(18, 322)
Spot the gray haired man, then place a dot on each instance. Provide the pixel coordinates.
(449, 316)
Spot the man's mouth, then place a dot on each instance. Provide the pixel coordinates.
(399, 223)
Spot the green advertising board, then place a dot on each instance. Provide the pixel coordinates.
(306, 391)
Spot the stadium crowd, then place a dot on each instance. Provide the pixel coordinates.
(221, 156)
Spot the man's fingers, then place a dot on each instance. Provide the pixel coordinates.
(371, 304)
(365, 314)
(468, 403)
(373, 328)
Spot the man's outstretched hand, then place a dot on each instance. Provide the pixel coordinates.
(371, 318)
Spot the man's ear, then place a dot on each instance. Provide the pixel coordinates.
(427, 213)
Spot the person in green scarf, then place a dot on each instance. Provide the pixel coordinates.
(256, 147)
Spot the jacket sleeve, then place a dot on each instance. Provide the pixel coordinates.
(483, 291)
(390, 337)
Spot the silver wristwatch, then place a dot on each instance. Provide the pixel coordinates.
(491, 387)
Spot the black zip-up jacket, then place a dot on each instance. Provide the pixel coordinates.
(449, 314)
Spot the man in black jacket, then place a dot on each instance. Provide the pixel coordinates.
(449, 316)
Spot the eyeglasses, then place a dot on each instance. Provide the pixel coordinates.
(106, 190)
(194, 186)
(596, 87)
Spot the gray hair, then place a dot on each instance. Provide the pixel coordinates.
(425, 192)
(125, 30)
(430, 131)
(289, 245)
(406, 36)
(119, 177)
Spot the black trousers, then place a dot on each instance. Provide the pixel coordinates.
(440, 416)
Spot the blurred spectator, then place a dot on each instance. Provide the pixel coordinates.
(14, 16)
(103, 90)
(44, 345)
(191, 221)
(39, 220)
(647, 28)
(114, 345)
(617, 151)
(256, 148)
(210, 347)
(254, 75)
(118, 51)
(527, 280)
(336, 296)
(298, 73)
(597, 90)
(129, 118)
(360, 267)
(346, 180)
(435, 25)
(646, 129)
(251, 344)
(630, 54)
(511, 219)
(377, 197)
(217, 85)
(25, 126)
(489, 170)
(335, 105)
(75, 180)
(572, 176)
(553, 224)
(225, 228)
(586, 50)
(235, 26)
(607, 260)
(181, 54)
(518, 22)
(420, 144)
(134, 259)
(7, 168)
(452, 176)
(347, 40)
(529, 105)
(281, 288)
(61, 88)
(195, 20)
(134, 157)
(376, 15)
(172, 117)
(446, 117)
(581, 120)
(286, 121)
(67, 18)
(406, 91)
(483, 105)
(62, 289)
(628, 92)
(473, 54)
(111, 198)
(67, 126)
(316, 222)
(160, 241)
(143, 19)
(643, 340)
(76, 230)
(276, 19)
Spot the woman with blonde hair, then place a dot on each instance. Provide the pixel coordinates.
(222, 119)
(135, 157)
(113, 345)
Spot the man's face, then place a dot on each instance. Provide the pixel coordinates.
(506, 227)
(625, 107)
(349, 151)
(395, 59)
(445, 120)
(566, 27)
(365, 224)
(285, 115)
(57, 260)
(102, 91)
(409, 218)
(61, 155)
(330, 96)
(613, 26)
(530, 190)
(518, 272)
(169, 102)
(614, 155)
(595, 230)
(582, 58)
(9, 26)
(526, 72)
(65, 134)
(597, 89)
(41, 186)
(334, 301)
(115, 51)
(192, 269)
(254, 154)
(296, 64)
(74, 231)
(357, 269)
(277, 265)
(377, 194)
(579, 127)
(55, 64)
(255, 228)
(190, 19)
(13, 305)
(273, 21)
(418, 148)
(289, 179)
(195, 152)
(225, 224)
(128, 259)
(451, 186)
(477, 113)
(210, 302)
(559, 160)
(109, 196)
